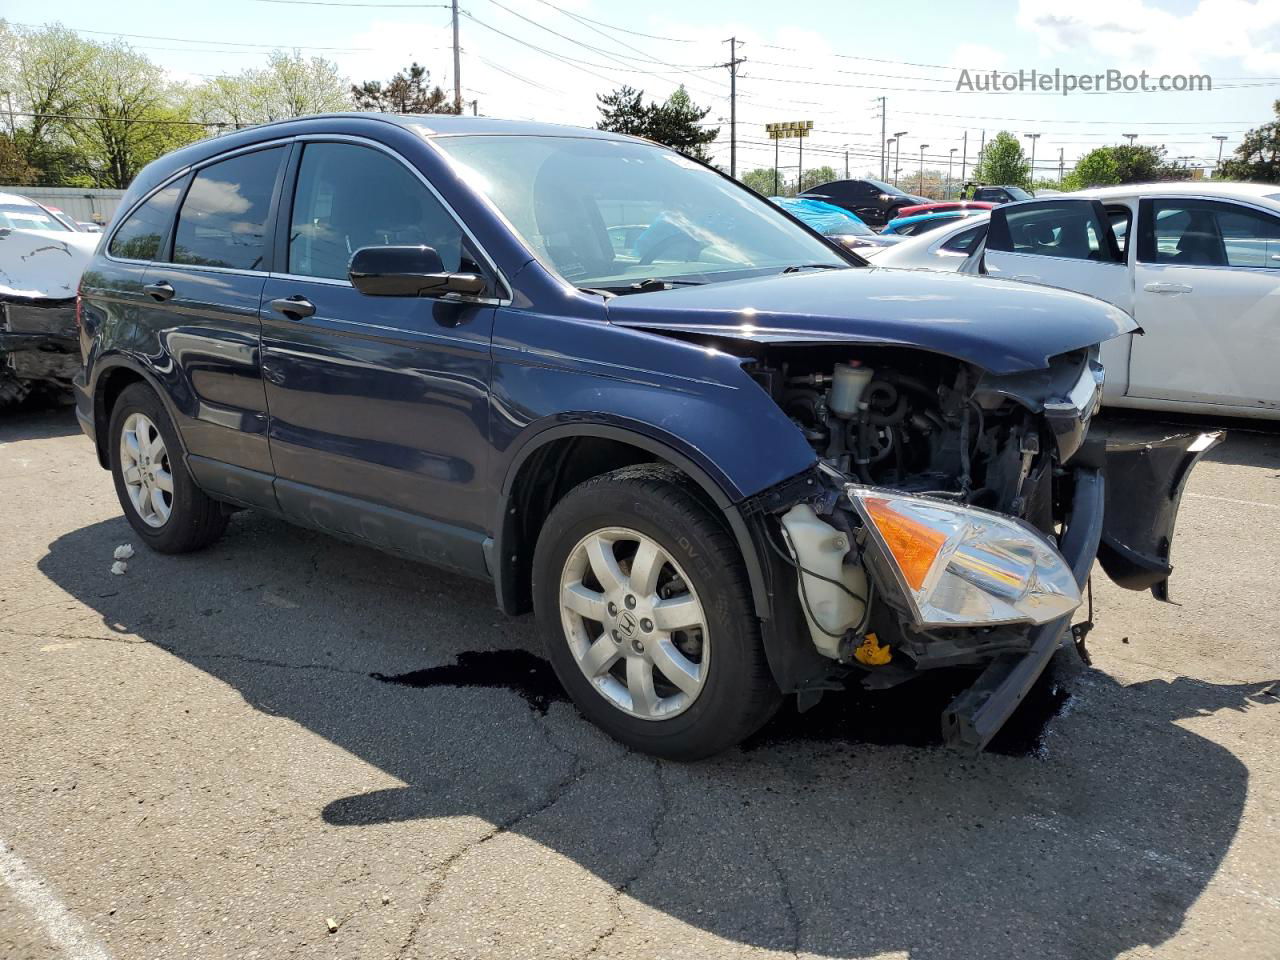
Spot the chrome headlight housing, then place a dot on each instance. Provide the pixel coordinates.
(961, 566)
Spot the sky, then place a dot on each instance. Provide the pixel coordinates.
(547, 60)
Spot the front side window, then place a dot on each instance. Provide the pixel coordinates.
(1208, 233)
(224, 219)
(350, 197)
(142, 232)
(1070, 230)
(606, 213)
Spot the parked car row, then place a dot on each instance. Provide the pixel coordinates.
(720, 458)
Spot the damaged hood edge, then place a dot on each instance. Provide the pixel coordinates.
(43, 264)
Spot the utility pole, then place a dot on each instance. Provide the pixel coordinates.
(884, 153)
(734, 60)
(1062, 164)
(1132, 137)
(846, 163)
(475, 108)
(922, 149)
(457, 64)
(946, 193)
(800, 164)
(1033, 137)
(775, 167)
(897, 152)
(964, 161)
(1219, 137)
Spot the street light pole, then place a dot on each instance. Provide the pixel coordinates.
(1221, 140)
(946, 194)
(922, 149)
(1132, 137)
(897, 153)
(1033, 137)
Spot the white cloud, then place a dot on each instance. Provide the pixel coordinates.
(1135, 34)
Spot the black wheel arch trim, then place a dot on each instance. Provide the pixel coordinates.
(711, 480)
(102, 369)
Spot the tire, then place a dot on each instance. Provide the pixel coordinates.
(183, 519)
(723, 690)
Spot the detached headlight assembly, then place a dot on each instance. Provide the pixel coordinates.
(961, 566)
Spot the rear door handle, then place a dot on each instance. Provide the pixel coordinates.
(160, 290)
(1167, 288)
(295, 307)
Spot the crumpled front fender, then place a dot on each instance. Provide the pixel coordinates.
(1147, 467)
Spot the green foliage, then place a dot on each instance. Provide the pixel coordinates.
(14, 168)
(288, 86)
(1123, 163)
(409, 91)
(675, 122)
(815, 176)
(762, 181)
(1002, 162)
(1258, 156)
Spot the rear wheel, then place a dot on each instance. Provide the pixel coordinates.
(160, 499)
(643, 601)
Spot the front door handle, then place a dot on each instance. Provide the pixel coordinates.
(1167, 288)
(1028, 277)
(295, 307)
(160, 290)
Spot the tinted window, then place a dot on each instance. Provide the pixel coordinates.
(1119, 217)
(1205, 233)
(223, 222)
(350, 197)
(140, 235)
(1070, 230)
(965, 240)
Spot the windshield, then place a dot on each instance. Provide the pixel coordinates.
(28, 216)
(887, 188)
(828, 219)
(609, 213)
(1018, 193)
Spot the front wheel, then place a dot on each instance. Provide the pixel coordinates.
(644, 604)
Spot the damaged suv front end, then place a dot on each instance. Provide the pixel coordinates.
(959, 492)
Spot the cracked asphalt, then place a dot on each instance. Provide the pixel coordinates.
(200, 760)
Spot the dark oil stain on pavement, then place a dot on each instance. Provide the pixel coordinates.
(908, 715)
(516, 670)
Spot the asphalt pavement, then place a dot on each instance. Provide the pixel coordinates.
(287, 746)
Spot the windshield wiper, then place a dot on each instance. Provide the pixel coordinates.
(663, 283)
(797, 267)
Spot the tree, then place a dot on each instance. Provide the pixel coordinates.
(409, 91)
(1123, 163)
(128, 118)
(765, 181)
(289, 86)
(14, 168)
(623, 111)
(675, 122)
(1258, 156)
(1002, 162)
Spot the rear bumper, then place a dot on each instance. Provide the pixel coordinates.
(974, 717)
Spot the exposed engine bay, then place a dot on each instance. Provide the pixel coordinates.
(915, 441)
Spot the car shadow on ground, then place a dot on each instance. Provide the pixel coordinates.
(845, 832)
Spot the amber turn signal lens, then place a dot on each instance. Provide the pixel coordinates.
(914, 545)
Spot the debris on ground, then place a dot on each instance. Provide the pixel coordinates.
(119, 567)
(124, 551)
(332, 924)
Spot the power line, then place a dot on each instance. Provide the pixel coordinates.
(610, 26)
(223, 43)
(171, 123)
(336, 3)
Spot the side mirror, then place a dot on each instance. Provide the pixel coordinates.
(408, 272)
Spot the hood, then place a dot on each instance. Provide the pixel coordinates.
(1002, 326)
(44, 264)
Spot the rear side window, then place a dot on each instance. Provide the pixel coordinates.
(1071, 230)
(223, 222)
(142, 232)
(965, 240)
(1207, 233)
(350, 197)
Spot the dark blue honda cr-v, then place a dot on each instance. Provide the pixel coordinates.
(722, 459)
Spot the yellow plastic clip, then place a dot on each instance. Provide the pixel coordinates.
(871, 653)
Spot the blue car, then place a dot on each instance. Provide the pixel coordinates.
(721, 460)
(924, 222)
(834, 222)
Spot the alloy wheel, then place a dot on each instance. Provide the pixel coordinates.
(144, 465)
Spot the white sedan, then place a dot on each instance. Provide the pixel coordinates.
(943, 249)
(1196, 264)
